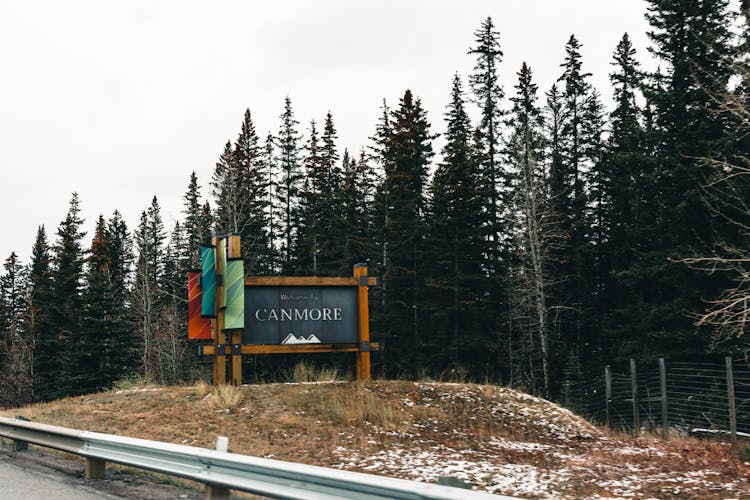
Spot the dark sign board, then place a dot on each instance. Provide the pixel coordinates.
(300, 315)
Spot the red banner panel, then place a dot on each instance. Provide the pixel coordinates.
(199, 328)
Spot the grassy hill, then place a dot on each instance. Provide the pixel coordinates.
(495, 438)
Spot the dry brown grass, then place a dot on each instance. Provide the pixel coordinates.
(202, 389)
(304, 372)
(224, 398)
(324, 423)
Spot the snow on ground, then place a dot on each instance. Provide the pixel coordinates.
(487, 471)
(570, 452)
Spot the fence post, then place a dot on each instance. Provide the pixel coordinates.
(730, 398)
(634, 395)
(663, 387)
(608, 394)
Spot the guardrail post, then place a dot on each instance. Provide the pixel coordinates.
(95, 469)
(218, 492)
(19, 445)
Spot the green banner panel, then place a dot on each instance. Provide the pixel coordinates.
(234, 284)
(208, 282)
(221, 264)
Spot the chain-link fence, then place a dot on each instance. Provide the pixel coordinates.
(692, 398)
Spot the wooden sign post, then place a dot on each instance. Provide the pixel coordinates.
(363, 326)
(220, 359)
(234, 252)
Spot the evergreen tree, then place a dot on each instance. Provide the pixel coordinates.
(46, 346)
(455, 251)
(356, 198)
(380, 223)
(170, 341)
(122, 354)
(331, 254)
(308, 214)
(626, 205)
(15, 348)
(320, 220)
(408, 150)
(67, 279)
(725, 188)
(576, 151)
(148, 293)
(195, 233)
(691, 40)
(91, 370)
(488, 95)
(271, 208)
(289, 183)
(251, 197)
(224, 187)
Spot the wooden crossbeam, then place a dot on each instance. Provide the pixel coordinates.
(291, 348)
(307, 281)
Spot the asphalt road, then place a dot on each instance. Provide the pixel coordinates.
(36, 475)
(27, 483)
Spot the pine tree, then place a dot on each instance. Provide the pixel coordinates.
(289, 183)
(16, 350)
(91, 370)
(224, 191)
(576, 152)
(320, 219)
(195, 233)
(122, 359)
(331, 254)
(380, 222)
(408, 151)
(357, 199)
(455, 251)
(251, 190)
(67, 279)
(625, 204)
(148, 293)
(691, 40)
(488, 95)
(308, 214)
(170, 342)
(46, 347)
(271, 208)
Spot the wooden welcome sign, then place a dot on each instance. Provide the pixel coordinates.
(274, 315)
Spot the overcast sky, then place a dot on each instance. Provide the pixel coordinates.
(120, 101)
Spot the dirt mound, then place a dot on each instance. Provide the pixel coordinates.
(495, 438)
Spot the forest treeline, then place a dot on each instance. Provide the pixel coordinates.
(547, 239)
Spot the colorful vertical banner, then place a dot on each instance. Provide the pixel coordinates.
(221, 266)
(199, 328)
(208, 282)
(234, 284)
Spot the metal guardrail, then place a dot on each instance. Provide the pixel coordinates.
(221, 471)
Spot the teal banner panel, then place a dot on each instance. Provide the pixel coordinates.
(234, 284)
(208, 282)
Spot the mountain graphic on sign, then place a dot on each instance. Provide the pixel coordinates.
(291, 339)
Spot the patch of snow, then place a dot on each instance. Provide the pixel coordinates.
(144, 389)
